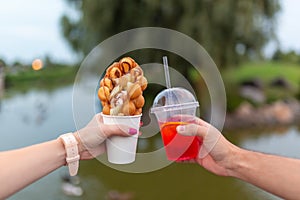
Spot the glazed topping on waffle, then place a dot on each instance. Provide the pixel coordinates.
(121, 89)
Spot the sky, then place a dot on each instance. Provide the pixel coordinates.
(288, 29)
(30, 29)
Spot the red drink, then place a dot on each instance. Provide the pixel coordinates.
(179, 147)
(173, 107)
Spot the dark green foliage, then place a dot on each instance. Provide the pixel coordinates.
(230, 30)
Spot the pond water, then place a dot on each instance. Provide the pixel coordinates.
(41, 115)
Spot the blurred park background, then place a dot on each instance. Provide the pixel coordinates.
(253, 43)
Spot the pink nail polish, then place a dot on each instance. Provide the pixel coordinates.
(132, 131)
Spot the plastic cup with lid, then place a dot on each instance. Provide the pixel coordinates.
(173, 107)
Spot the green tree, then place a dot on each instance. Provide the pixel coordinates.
(289, 57)
(230, 30)
(2, 63)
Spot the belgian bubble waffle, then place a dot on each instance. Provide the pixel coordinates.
(121, 89)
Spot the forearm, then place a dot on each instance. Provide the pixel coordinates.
(278, 175)
(22, 167)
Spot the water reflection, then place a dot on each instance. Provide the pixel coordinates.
(38, 115)
(284, 141)
(35, 116)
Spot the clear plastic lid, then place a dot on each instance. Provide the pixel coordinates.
(174, 99)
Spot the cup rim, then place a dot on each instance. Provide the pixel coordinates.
(174, 107)
(120, 117)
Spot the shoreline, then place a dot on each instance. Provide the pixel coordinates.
(276, 114)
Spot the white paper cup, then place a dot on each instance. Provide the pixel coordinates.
(122, 150)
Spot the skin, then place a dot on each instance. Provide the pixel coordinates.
(275, 174)
(17, 165)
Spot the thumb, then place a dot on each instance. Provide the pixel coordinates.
(192, 130)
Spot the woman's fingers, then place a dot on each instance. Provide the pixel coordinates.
(92, 153)
(99, 118)
(109, 130)
(92, 136)
(120, 130)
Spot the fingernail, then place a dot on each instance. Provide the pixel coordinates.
(180, 128)
(132, 131)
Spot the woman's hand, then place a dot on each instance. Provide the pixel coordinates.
(216, 153)
(91, 138)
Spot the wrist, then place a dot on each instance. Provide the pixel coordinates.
(81, 147)
(62, 154)
(237, 162)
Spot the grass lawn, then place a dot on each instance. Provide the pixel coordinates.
(264, 71)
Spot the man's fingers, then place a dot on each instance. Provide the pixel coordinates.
(192, 130)
(196, 120)
(201, 122)
(187, 161)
